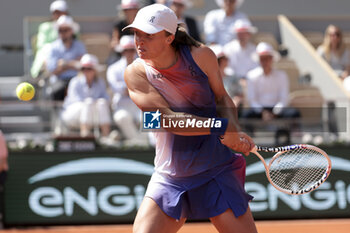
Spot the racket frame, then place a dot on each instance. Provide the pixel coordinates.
(280, 151)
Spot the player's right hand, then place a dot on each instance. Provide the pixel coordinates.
(243, 143)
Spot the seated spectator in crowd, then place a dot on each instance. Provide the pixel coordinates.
(63, 59)
(334, 51)
(179, 7)
(47, 33)
(218, 23)
(231, 84)
(128, 10)
(87, 103)
(268, 88)
(3, 171)
(126, 114)
(241, 51)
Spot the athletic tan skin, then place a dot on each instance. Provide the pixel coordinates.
(157, 51)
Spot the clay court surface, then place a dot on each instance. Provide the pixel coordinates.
(291, 226)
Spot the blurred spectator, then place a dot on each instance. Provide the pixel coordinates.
(241, 51)
(334, 51)
(128, 9)
(3, 171)
(179, 7)
(47, 33)
(218, 23)
(126, 114)
(231, 83)
(268, 88)
(87, 103)
(63, 58)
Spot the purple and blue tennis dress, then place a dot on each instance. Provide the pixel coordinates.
(195, 177)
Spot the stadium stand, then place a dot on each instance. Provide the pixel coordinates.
(314, 37)
(95, 32)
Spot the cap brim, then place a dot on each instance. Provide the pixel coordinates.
(96, 67)
(220, 3)
(251, 30)
(275, 55)
(145, 27)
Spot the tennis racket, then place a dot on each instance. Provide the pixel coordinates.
(296, 169)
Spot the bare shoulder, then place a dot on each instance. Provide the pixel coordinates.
(135, 69)
(204, 58)
(202, 52)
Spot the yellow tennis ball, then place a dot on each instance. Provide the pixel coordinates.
(25, 91)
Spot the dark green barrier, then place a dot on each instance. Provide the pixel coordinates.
(76, 188)
(108, 186)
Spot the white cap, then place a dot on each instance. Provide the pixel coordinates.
(221, 3)
(126, 42)
(128, 4)
(90, 61)
(263, 49)
(244, 25)
(155, 18)
(67, 21)
(218, 50)
(186, 3)
(58, 5)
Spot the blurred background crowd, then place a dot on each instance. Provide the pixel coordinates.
(78, 71)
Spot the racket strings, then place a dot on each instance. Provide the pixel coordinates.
(298, 169)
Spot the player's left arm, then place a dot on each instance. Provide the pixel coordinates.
(233, 137)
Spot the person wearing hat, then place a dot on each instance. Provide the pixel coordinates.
(128, 10)
(87, 102)
(232, 85)
(47, 33)
(63, 58)
(268, 88)
(126, 114)
(196, 173)
(179, 7)
(218, 23)
(241, 51)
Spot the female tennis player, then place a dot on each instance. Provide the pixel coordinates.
(196, 174)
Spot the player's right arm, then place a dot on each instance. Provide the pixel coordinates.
(147, 98)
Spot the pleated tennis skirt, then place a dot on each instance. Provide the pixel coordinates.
(202, 196)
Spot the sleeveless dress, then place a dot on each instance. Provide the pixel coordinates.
(195, 177)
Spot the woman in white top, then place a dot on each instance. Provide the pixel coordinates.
(334, 51)
(87, 103)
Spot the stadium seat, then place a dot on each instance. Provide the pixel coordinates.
(97, 44)
(266, 37)
(314, 37)
(309, 101)
(346, 38)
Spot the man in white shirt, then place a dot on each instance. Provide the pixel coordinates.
(218, 23)
(268, 88)
(241, 51)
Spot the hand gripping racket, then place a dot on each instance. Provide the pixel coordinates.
(296, 169)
